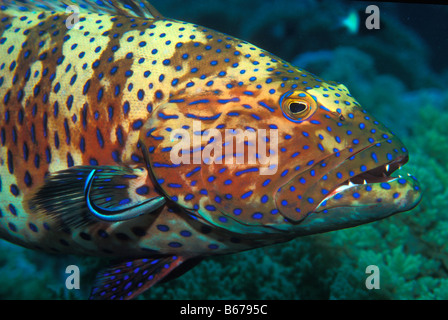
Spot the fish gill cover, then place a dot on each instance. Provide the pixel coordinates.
(396, 73)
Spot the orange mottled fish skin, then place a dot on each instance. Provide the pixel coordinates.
(71, 98)
(99, 102)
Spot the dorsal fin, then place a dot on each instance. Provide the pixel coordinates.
(129, 8)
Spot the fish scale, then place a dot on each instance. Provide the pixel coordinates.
(92, 116)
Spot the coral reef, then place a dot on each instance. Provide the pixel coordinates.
(389, 73)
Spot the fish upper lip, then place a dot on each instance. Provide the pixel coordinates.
(380, 173)
(363, 149)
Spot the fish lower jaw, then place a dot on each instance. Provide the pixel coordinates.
(370, 187)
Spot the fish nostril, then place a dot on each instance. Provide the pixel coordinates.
(341, 118)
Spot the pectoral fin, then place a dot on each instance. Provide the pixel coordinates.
(87, 194)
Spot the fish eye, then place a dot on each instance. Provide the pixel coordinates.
(297, 109)
(298, 106)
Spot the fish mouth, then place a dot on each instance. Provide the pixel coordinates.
(353, 187)
(380, 174)
(385, 184)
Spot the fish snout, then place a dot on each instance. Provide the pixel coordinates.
(350, 187)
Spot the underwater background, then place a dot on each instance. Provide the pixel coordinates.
(398, 73)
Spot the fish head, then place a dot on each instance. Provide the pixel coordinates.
(319, 161)
(343, 160)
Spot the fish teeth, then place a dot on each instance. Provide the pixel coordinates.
(350, 183)
(364, 182)
(387, 168)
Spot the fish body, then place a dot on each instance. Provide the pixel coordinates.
(113, 133)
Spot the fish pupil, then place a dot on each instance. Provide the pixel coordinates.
(297, 107)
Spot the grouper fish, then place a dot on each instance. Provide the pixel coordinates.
(158, 143)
